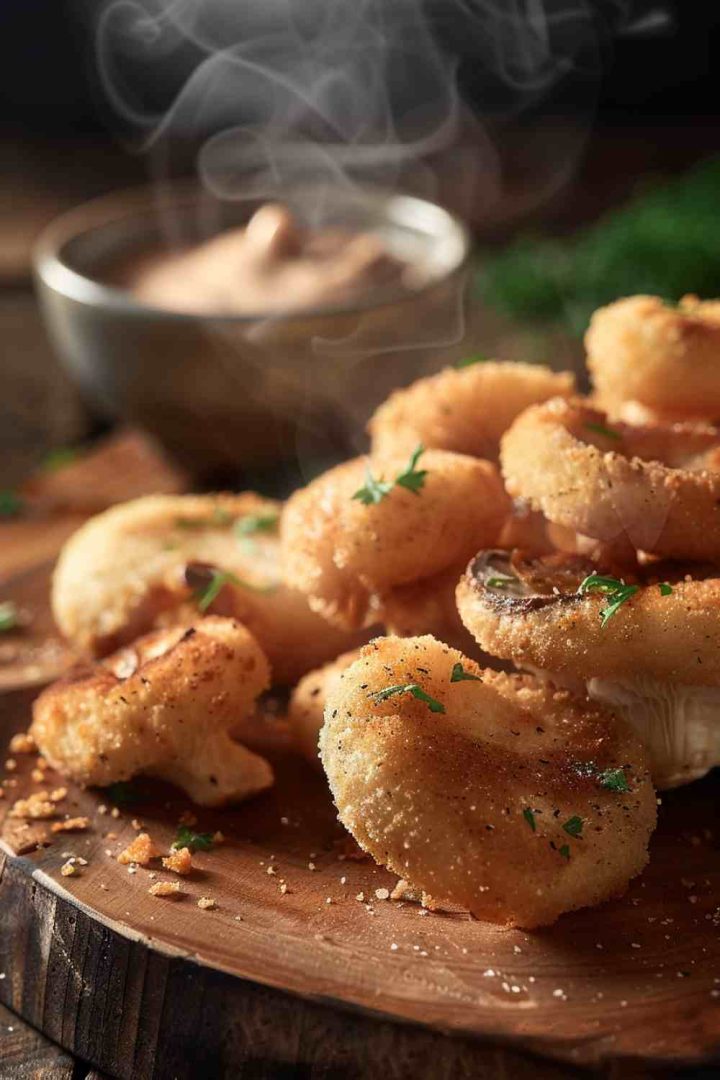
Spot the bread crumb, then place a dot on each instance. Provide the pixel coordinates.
(69, 869)
(23, 743)
(102, 809)
(179, 861)
(58, 794)
(73, 824)
(140, 851)
(115, 812)
(35, 807)
(382, 894)
(206, 903)
(11, 764)
(37, 776)
(218, 837)
(137, 825)
(283, 888)
(165, 888)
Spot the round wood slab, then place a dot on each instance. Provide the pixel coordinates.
(135, 983)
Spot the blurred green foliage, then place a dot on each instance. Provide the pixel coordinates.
(665, 241)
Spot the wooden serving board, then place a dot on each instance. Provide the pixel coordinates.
(303, 963)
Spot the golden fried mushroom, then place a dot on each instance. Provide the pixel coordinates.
(163, 707)
(495, 792)
(666, 358)
(307, 703)
(346, 553)
(465, 410)
(653, 488)
(647, 645)
(144, 564)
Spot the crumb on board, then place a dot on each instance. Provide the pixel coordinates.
(115, 813)
(23, 743)
(218, 837)
(70, 869)
(37, 776)
(58, 794)
(73, 824)
(179, 861)
(165, 888)
(136, 825)
(38, 806)
(141, 850)
(206, 903)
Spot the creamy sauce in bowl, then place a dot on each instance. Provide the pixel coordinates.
(271, 265)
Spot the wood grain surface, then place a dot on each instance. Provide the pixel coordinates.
(304, 962)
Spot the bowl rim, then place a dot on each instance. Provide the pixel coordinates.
(54, 272)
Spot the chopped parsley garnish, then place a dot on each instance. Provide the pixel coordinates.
(412, 478)
(122, 793)
(56, 459)
(574, 826)
(501, 581)
(219, 517)
(600, 429)
(459, 674)
(10, 503)
(256, 523)
(665, 589)
(205, 594)
(468, 361)
(614, 780)
(617, 592)
(529, 816)
(194, 841)
(409, 688)
(8, 616)
(564, 851)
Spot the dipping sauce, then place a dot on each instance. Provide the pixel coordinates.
(271, 265)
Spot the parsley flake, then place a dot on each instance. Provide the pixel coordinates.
(529, 816)
(8, 616)
(501, 581)
(617, 593)
(574, 826)
(409, 688)
(665, 589)
(614, 780)
(205, 594)
(194, 841)
(564, 851)
(256, 523)
(10, 503)
(601, 429)
(57, 459)
(459, 674)
(412, 478)
(469, 361)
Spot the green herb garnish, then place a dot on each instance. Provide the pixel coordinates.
(409, 688)
(122, 793)
(600, 429)
(564, 851)
(665, 589)
(614, 780)
(194, 841)
(459, 674)
(256, 523)
(10, 503)
(412, 478)
(57, 459)
(616, 591)
(469, 361)
(574, 826)
(8, 616)
(205, 594)
(500, 582)
(219, 517)
(529, 816)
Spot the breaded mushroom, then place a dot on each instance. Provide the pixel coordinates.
(306, 709)
(495, 792)
(145, 564)
(163, 707)
(356, 532)
(465, 410)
